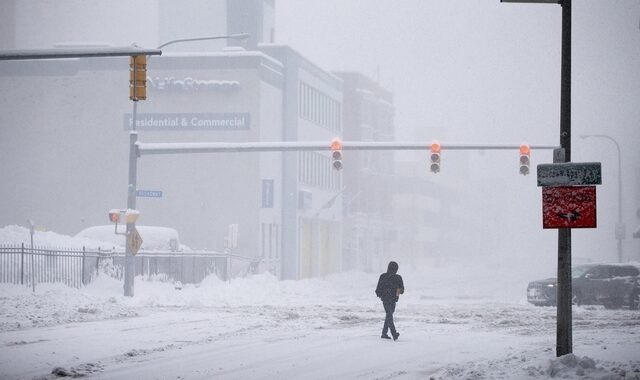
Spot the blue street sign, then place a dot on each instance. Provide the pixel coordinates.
(149, 193)
(267, 193)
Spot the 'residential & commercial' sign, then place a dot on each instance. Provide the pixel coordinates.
(189, 121)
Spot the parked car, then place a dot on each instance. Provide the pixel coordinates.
(611, 285)
(153, 238)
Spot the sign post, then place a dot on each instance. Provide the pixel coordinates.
(568, 201)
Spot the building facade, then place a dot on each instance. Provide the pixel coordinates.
(368, 225)
(312, 198)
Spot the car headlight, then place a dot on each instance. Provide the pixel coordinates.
(551, 285)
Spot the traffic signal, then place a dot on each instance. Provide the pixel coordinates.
(336, 153)
(525, 158)
(138, 77)
(114, 216)
(127, 216)
(435, 157)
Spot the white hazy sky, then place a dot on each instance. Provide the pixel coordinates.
(475, 69)
(485, 71)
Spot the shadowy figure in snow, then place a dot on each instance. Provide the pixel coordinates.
(389, 288)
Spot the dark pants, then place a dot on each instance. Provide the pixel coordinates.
(389, 308)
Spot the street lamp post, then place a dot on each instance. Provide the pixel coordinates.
(134, 152)
(237, 36)
(620, 228)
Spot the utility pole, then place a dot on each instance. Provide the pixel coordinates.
(564, 319)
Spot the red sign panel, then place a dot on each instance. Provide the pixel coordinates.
(569, 207)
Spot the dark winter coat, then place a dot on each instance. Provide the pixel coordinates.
(390, 284)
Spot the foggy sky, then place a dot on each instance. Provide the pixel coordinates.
(482, 71)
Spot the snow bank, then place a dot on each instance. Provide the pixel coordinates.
(14, 234)
(532, 366)
(153, 238)
(53, 304)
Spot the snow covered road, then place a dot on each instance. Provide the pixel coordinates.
(261, 328)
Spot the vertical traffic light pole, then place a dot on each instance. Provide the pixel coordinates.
(137, 91)
(129, 263)
(564, 344)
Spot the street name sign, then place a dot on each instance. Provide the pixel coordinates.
(569, 207)
(149, 193)
(570, 174)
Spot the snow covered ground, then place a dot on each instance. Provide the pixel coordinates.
(456, 322)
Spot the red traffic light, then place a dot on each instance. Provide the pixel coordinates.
(336, 144)
(336, 153)
(525, 158)
(114, 216)
(435, 157)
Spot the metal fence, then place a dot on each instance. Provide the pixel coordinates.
(21, 264)
(189, 267)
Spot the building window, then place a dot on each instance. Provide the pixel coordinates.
(319, 108)
(315, 170)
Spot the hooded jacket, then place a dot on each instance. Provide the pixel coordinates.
(390, 284)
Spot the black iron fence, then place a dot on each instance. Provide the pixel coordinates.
(21, 264)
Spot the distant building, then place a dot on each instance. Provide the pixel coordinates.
(368, 227)
(312, 198)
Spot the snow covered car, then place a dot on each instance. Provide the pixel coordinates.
(611, 285)
(153, 238)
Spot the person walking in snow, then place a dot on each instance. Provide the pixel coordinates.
(389, 288)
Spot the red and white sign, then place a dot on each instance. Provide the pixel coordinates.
(569, 207)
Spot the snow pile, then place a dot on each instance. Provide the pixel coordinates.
(14, 234)
(103, 298)
(104, 237)
(571, 364)
(153, 238)
(523, 366)
(54, 304)
(82, 370)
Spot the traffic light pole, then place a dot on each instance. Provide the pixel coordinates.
(564, 320)
(137, 91)
(284, 146)
(138, 148)
(129, 263)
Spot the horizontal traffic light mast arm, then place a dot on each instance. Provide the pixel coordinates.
(282, 146)
(58, 53)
